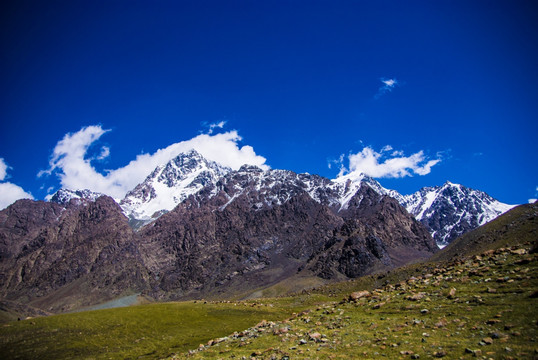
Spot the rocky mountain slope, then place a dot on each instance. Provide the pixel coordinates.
(57, 258)
(451, 210)
(246, 230)
(447, 211)
(209, 232)
(263, 226)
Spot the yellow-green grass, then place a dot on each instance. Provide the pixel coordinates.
(144, 331)
(491, 313)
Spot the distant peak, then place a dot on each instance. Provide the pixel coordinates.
(63, 196)
(354, 176)
(250, 168)
(189, 154)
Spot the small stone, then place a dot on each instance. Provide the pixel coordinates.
(439, 354)
(441, 323)
(415, 297)
(354, 296)
(378, 305)
(487, 340)
(475, 353)
(424, 311)
(302, 342)
(452, 293)
(415, 356)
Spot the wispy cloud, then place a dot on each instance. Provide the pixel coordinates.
(387, 164)
(388, 86)
(211, 127)
(70, 162)
(9, 192)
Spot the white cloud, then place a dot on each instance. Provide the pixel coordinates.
(386, 148)
(388, 86)
(9, 193)
(214, 126)
(105, 152)
(3, 169)
(338, 162)
(75, 171)
(377, 165)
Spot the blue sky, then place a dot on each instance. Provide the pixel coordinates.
(415, 92)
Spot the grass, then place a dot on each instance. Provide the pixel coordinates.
(492, 314)
(145, 331)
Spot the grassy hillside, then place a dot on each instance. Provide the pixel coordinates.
(483, 307)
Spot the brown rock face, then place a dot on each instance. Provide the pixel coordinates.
(58, 258)
(377, 234)
(248, 230)
(210, 242)
(203, 248)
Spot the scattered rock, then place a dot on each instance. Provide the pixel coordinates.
(378, 305)
(476, 353)
(415, 297)
(354, 296)
(441, 323)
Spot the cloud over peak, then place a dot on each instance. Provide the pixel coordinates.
(69, 160)
(388, 163)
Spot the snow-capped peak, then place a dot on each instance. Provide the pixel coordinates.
(169, 184)
(447, 211)
(350, 183)
(452, 209)
(63, 196)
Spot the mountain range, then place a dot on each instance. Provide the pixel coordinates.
(196, 229)
(447, 211)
